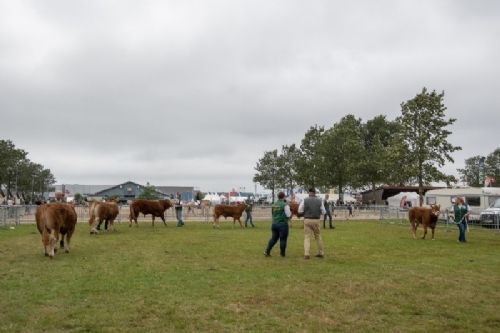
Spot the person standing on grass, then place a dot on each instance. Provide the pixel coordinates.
(460, 213)
(178, 210)
(248, 211)
(328, 213)
(312, 207)
(280, 214)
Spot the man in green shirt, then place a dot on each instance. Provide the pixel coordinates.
(281, 214)
(248, 211)
(327, 204)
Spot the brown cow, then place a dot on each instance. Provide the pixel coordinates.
(55, 220)
(227, 210)
(294, 209)
(102, 211)
(156, 208)
(424, 215)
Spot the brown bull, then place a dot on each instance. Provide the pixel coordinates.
(156, 208)
(55, 220)
(424, 215)
(102, 211)
(228, 211)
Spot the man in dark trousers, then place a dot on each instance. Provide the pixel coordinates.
(312, 207)
(281, 214)
(178, 210)
(248, 211)
(328, 213)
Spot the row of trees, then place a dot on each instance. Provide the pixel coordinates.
(357, 154)
(19, 175)
(478, 167)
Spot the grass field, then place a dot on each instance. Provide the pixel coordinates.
(374, 278)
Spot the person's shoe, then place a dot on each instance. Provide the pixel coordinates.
(319, 256)
(282, 255)
(307, 257)
(266, 254)
(332, 227)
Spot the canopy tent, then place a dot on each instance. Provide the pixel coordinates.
(404, 199)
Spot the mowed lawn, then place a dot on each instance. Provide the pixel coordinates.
(374, 278)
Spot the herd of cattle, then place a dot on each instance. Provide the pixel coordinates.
(56, 221)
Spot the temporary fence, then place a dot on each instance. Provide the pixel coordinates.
(25, 214)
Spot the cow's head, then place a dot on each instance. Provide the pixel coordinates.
(435, 209)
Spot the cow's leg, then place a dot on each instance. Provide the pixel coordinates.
(153, 221)
(425, 230)
(53, 236)
(68, 240)
(163, 219)
(45, 242)
(413, 228)
(61, 242)
(93, 228)
(432, 229)
(106, 223)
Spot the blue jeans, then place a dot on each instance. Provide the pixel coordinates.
(178, 216)
(249, 219)
(461, 232)
(279, 231)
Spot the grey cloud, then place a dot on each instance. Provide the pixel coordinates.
(190, 92)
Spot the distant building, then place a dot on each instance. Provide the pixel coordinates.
(380, 195)
(123, 192)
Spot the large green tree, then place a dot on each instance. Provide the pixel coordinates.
(267, 171)
(341, 152)
(424, 133)
(309, 158)
(148, 192)
(374, 169)
(492, 166)
(470, 172)
(287, 162)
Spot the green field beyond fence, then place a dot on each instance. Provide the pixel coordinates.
(374, 278)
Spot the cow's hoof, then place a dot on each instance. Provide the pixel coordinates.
(66, 251)
(46, 254)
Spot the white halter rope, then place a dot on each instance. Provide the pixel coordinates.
(462, 220)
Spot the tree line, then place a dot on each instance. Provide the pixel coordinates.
(477, 168)
(19, 175)
(353, 154)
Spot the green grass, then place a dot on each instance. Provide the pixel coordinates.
(374, 278)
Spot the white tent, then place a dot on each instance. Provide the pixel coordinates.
(404, 199)
(214, 198)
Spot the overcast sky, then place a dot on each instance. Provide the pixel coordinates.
(192, 93)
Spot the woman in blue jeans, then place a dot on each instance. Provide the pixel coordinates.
(460, 214)
(281, 214)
